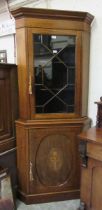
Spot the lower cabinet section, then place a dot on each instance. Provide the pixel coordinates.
(48, 160)
(52, 155)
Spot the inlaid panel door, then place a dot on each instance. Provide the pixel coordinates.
(53, 152)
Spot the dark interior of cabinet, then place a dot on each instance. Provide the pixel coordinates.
(54, 70)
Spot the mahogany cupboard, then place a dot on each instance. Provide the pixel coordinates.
(53, 60)
(8, 115)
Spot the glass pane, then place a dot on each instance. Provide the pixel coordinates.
(54, 68)
(55, 106)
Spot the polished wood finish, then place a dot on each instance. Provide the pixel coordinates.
(53, 14)
(8, 115)
(91, 174)
(29, 17)
(47, 155)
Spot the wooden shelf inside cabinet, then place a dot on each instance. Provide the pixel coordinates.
(53, 76)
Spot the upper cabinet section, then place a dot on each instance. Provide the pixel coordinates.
(53, 58)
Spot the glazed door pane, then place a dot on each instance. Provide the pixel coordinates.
(54, 70)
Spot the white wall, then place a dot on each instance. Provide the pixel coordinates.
(95, 80)
(7, 36)
(7, 43)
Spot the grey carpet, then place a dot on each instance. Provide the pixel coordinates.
(62, 205)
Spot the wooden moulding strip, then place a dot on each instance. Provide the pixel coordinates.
(52, 14)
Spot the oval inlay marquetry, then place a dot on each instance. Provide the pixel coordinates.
(54, 160)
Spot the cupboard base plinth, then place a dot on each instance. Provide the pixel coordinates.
(48, 197)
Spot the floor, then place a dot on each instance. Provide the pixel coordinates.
(63, 205)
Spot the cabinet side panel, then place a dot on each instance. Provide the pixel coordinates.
(96, 196)
(91, 182)
(85, 185)
(22, 54)
(22, 158)
(85, 71)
